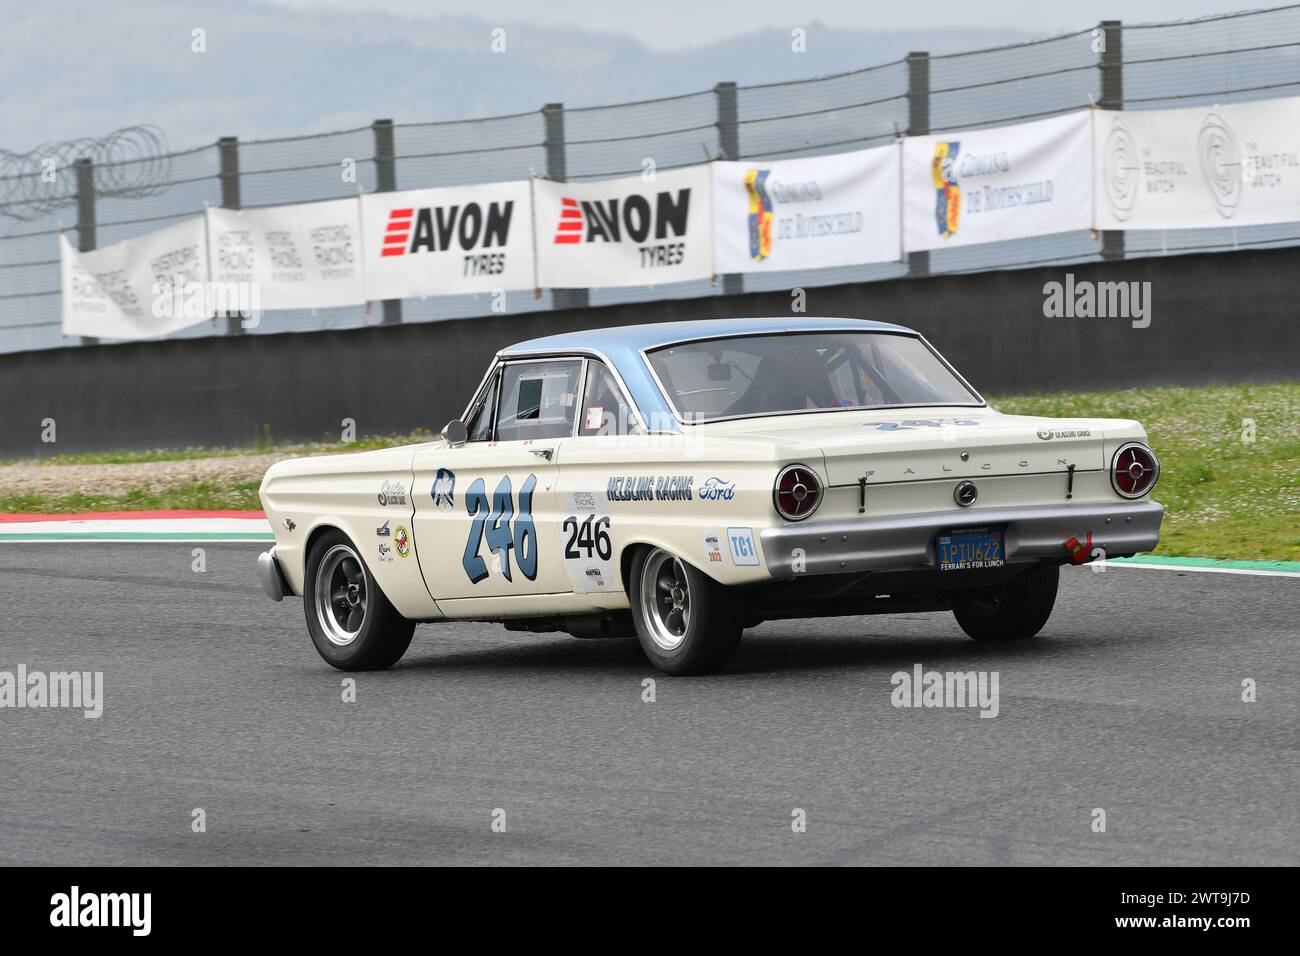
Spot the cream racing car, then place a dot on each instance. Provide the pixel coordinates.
(685, 481)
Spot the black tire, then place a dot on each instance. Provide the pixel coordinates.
(375, 639)
(709, 622)
(1015, 610)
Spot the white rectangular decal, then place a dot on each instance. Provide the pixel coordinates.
(622, 232)
(148, 286)
(305, 256)
(990, 185)
(1198, 168)
(743, 552)
(585, 531)
(816, 213)
(446, 241)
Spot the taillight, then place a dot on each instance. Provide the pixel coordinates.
(1134, 471)
(798, 492)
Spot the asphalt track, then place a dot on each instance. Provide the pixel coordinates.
(214, 697)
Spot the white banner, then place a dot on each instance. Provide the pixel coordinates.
(143, 287)
(443, 241)
(989, 185)
(624, 231)
(305, 256)
(1198, 168)
(838, 210)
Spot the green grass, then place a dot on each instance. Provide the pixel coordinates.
(1225, 498)
(322, 447)
(201, 495)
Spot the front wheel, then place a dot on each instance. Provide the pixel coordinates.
(351, 621)
(685, 621)
(1012, 611)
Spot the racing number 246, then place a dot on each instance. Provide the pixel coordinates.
(505, 531)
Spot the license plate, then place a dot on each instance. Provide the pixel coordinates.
(970, 549)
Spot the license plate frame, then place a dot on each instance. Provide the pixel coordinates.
(970, 549)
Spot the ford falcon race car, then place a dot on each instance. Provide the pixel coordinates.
(685, 481)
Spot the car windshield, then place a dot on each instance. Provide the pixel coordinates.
(804, 371)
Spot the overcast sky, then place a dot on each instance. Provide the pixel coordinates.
(671, 25)
(271, 68)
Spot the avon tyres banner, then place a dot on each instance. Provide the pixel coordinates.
(151, 285)
(622, 232)
(444, 241)
(839, 210)
(304, 256)
(989, 185)
(1197, 168)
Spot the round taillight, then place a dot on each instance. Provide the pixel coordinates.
(1134, 471)
(798, 492)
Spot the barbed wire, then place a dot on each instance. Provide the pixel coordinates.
(129, 163)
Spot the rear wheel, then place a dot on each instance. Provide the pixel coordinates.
(1013, 611)
(352, 623)
(685, 621)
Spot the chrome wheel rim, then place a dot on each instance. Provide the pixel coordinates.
(341, 595)
(665, 600)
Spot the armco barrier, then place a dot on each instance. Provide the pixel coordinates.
(1215, 317)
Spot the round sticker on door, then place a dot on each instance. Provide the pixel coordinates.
(402, 540)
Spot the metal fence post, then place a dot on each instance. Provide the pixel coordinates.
(386, 182)
(1112, 98)
(228, 158)
(84, 169)
(733, 283)
(557, 171)
(918, 124)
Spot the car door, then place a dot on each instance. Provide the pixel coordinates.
(486, 519)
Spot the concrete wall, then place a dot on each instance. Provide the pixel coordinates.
(1219, 317)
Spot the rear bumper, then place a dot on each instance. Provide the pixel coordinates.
(905, 542)
(272, 578)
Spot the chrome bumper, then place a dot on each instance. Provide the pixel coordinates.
(904, 542)
(268, 572)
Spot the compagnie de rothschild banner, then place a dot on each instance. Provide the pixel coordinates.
(990, 185)
(619, 232)
(1197, 168)
(814, 213)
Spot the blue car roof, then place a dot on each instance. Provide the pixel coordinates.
(622, 346)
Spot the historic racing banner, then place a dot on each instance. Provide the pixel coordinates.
(151, 285)
(304, 256)
(444, 241)
(989, 185)
(620, 232)
(838, 210)
(1197, 168)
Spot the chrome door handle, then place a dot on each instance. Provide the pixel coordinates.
(543, 452)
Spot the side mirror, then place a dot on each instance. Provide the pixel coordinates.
(454, 432)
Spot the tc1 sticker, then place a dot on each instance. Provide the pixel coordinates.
(743, 552)
(585, 534)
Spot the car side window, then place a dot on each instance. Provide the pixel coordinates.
(479, 426)
(538, 399)
(604, 411)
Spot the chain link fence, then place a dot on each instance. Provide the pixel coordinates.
(1221, 59)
